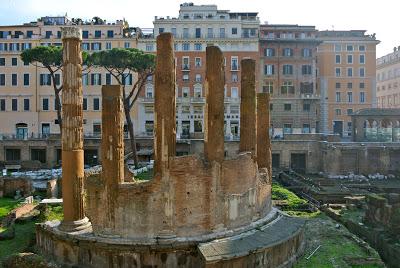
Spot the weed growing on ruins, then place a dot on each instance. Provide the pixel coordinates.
(6, 205)
(293, 201)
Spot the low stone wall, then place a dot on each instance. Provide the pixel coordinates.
(8, 186)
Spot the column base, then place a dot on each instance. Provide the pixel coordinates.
(75, 226)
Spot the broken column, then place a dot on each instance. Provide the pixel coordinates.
(112, 133)
(72, 133)
(248, 107)
(214, 110)
(263, 139)
(164, 103)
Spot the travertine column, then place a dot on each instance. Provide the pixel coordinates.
(112, 133)
(263, 124)
(248, 107)
(164, 117)
(72, 133)
(214, 111)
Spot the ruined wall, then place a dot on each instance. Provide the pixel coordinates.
(8, 186)
(191, 199)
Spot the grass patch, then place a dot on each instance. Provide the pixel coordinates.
(293, 201)
(53, 212)
(148, 175)
(6, 205)
(24, 235)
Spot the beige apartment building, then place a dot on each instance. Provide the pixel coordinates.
(288, 55)
(196, 27)
(347, 83)
(388, 80)
(26, 93)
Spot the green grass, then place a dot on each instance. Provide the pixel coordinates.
(148, 175)
(24, 235)
(52, 213)
(281, 193)
(6, 205)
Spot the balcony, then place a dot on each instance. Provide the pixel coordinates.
(147, 99)
(232, 100)
(33, 136)
(185, 67)
(197, 100)
(310, 96)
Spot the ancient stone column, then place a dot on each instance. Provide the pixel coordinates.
(72, 133)
(248, 107)
(112, 133)
(214, 110)
(164, 103)
(263, 139)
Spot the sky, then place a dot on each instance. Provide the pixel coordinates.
(380, 17)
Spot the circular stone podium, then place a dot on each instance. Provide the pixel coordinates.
(197, 210)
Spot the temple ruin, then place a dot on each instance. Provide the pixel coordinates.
(198, 210)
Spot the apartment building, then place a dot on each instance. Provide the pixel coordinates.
(196, 27)
(26, 93)
(346, 69)
(288, 73)
(388, 80)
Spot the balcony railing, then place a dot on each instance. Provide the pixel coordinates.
(32, 136)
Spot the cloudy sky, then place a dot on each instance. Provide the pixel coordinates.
(380, 17)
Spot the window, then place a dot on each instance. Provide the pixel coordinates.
(45, 104)
(234, 63)
(306, 70)
(185, 32)
(29, 34)
(271, 107)
(337, 59)
(349, 85)
(349, 59)
(85, 34)
(85, 46)
(97, 128)
(338, 47)
(362, 72)
(349, 72)
(269, 52)
(173, 32)
(108, 45)
(337, 85)
(234, 109)
(287, 52)
(14, 62)
(287, 128)
(287, 88)
(197, 109)
(287, 69)
(234, 77)
(185, 46)
(127, 45)
(2, 79)
(149, 109)
(96, 79)
(197, 62)
(160, 30)
(96, 46)
(197, 46)
(108, 79)
(2, 104)
(306, 128)
(48, 34)
(127, 79)
(26, 79)
(349, 47)
(349, 111)
(198, 126)
(362, 97)
(198, 77)
(361, 48)
(97, 34)
(234, 93)
(338, 99)
(14, 105)
(185, 77)
(306, 52)
(84, 104)
(234, 31)
(26, 104)
(2, 61)
(362, 59)
(269, 87)
(287, 106)
(338, 111)
(149, 47)
(185, 63)
(337, 72)
(349, 96)
(269, 69)
(57, 78)
(96, 104)
(198, 33)
(362, 85)
(306, 107)
(85, 79)
(110, 33)
(221, 32)
(149, 92)
(185, 109)
(149, 127)
(185, 92)
(14, 79)
(14, 154)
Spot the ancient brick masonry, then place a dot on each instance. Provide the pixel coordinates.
(248, 107)
(263, 139)
(72, 132)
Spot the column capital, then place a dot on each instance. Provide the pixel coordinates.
(71, 32)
